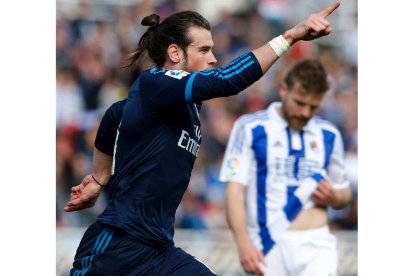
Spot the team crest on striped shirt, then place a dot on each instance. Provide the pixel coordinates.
(314, 146)
(177, 74)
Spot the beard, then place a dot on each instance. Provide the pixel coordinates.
(295, 122)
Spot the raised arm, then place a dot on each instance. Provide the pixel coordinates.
(248, 68)
(335, 190)
(315, 26)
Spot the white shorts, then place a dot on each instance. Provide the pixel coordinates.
(303, 253)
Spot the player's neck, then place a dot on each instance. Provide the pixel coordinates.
(279, 110)
(169, 65)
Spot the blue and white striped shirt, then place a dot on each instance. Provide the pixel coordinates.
(280, 168)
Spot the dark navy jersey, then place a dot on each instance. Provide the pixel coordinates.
(158, 140)
(106, 135)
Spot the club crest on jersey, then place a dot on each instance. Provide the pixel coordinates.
(177, 74)
(314, 146)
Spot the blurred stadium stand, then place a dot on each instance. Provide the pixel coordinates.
(215, 248)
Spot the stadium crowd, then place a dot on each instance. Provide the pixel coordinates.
(92, 42)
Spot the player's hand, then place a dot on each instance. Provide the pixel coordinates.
(83, 195)
(313, 27)
(325, 194)
(251, 258)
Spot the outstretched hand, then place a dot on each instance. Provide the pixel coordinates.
(315, 26)
(83, 195)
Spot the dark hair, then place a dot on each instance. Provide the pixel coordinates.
(311, 76)
(173, 30)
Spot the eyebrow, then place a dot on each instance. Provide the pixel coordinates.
(205, 47)
(303, 103)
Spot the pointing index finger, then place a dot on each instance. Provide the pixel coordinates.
(330, 9)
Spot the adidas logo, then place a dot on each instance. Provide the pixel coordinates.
(277, 144)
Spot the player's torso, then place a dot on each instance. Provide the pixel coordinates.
(163, 148)
(293, 155)
(154, 156)
(283, 157)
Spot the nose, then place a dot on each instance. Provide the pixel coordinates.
(212, 60)
(306, 112)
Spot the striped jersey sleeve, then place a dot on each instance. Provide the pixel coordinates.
(336, 168)
(334, 155)
(165, 89)
(225, 81)
(238, 157)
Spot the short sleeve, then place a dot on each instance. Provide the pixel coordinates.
(107, 131)
(238, 157)
(336, 169)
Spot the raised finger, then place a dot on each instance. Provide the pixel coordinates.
(330, 9)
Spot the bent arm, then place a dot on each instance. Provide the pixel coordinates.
(87, 192)
(230, 79)
(342, 198)
(102, 164)
(325, 194)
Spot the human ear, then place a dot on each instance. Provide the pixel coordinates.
(173, 52)
(283, 89)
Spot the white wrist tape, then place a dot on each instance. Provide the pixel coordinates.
(279, 45)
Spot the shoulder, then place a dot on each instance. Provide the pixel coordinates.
(155, 73)
(253, 118)
(151, 74)
(164, 80)
(119, 105)
(115, 109)
(326, 125)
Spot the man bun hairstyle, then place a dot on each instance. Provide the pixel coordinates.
(310, 74)
(159, 36)
(152, 21)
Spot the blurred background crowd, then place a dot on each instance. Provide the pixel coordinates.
(93, 39)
